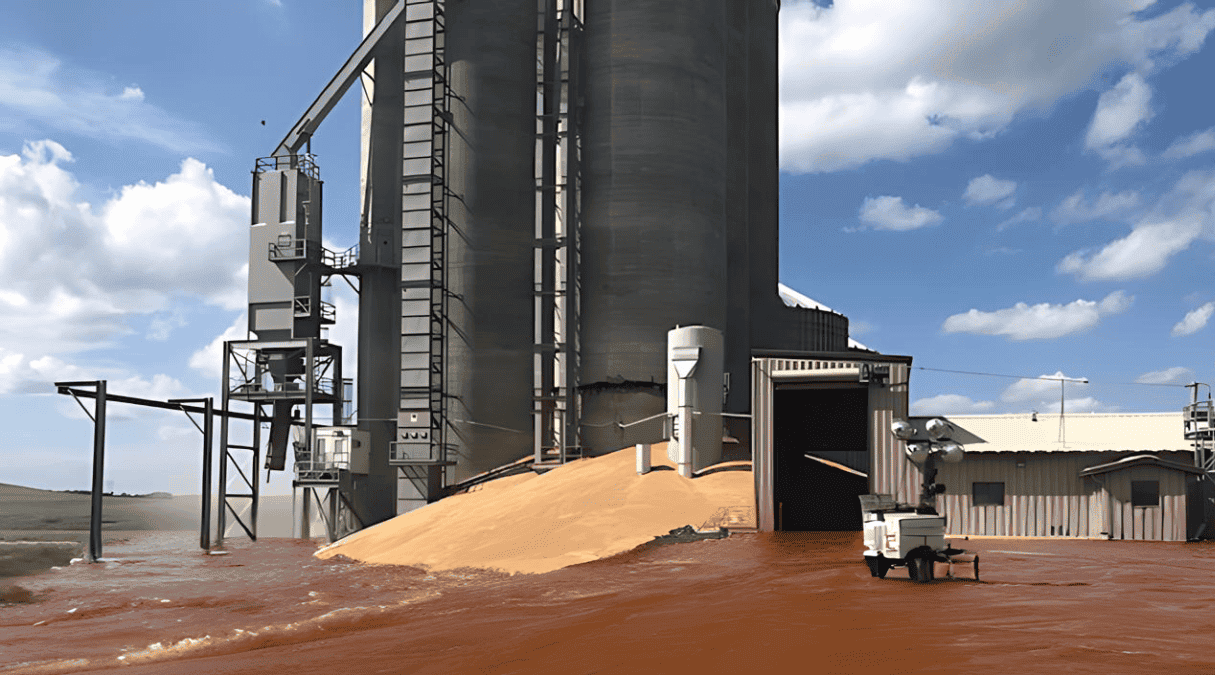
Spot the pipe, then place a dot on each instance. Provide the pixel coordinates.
(685, 427)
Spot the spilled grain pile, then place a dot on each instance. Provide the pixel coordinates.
(529, 523)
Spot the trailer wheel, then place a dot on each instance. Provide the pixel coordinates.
(872, 563)
(919, 568)
(878, 566)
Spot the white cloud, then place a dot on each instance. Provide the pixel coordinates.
(48, 370)
(1120, 156)
(39, 92)
(1170, 227)
(1038, 390)
(209, 359)
(950, 404)
(890, 213)
(1032, 214)
(1174, 375)
(864, 80)
(1041, 321)
(1142, 253)
(23, 375)
(169, 432)
(1201, 141)
(1083, 405)
(164, 323)
(1120, 111)
(78, 276)
(1194, 321)
(858, 328)
(1075, 209)
(987, 190)
(345, 332)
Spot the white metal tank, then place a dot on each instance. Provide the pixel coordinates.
(699, 353)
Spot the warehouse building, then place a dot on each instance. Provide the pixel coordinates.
(1094, 475)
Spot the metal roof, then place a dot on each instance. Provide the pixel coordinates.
(792, 298)
(1140, 460)
(1079, 432)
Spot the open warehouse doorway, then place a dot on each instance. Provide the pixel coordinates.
(820, 438)
(835, 407)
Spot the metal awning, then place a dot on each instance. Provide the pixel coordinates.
(1140, 460)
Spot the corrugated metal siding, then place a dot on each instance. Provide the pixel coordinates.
(1166, 521)
(889, 472)
(1047, 498)
(761, 443)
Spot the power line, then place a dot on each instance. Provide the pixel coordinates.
(1044, 377)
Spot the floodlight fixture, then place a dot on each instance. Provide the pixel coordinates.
(938, 428)
(952, 453)
(902, 429)
(918, 452)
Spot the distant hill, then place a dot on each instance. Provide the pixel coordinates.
(32, 509)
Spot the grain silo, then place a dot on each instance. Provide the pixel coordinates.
(550, 187)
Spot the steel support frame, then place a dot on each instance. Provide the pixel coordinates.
(334, 508)
(558, 187)
(208, 403)
(319, 357)
(250, 477)
(98, 418)
(103, 397)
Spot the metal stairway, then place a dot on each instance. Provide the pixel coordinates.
(1199, 421)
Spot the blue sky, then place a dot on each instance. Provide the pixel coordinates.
(1022, 189)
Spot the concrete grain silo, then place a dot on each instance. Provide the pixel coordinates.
(654, 204)
(550, 187)
(668, 138)
(491, 54)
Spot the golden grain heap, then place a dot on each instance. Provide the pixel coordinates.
(529, 523)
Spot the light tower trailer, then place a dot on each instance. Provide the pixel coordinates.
(903, 535)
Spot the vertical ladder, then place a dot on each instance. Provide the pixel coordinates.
(572, 46)
(422, 418)
(555, 394)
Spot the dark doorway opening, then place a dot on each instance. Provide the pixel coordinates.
(829, 423)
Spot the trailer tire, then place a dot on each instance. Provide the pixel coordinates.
(919, 567)
(878, 566)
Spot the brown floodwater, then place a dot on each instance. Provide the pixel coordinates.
(783, 602)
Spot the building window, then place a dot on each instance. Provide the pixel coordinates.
(988, 494)
(1145, 493)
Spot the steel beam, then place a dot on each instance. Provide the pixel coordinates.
(98, 471)
(337, 87)
(69, 388)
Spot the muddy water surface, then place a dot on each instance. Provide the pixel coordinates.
(786, 602)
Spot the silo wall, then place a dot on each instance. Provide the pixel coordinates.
(491, 51)
(654, 235)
